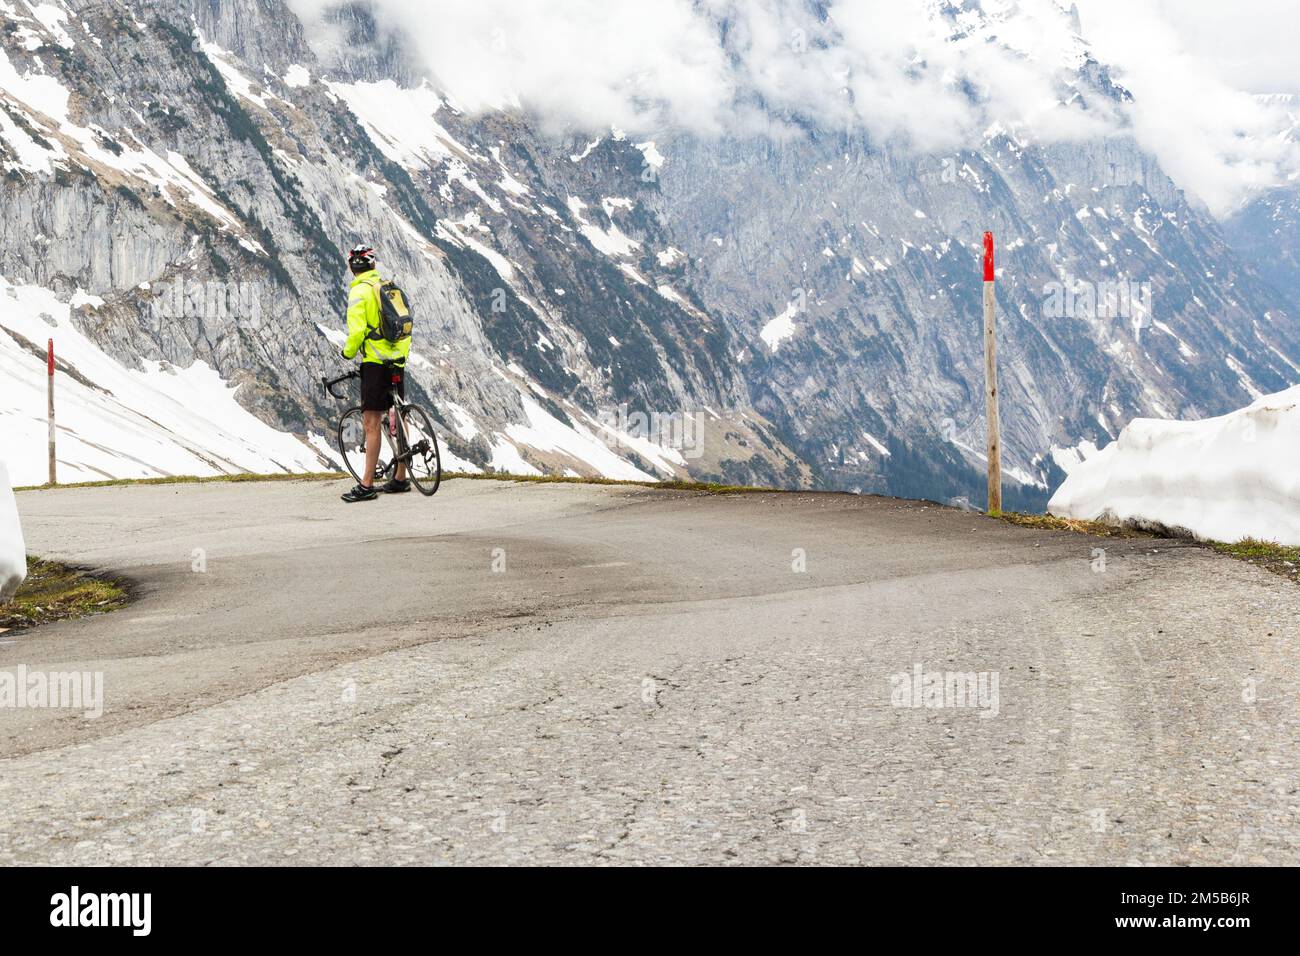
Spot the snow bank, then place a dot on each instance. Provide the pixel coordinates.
(13, 552)
(1222, 479)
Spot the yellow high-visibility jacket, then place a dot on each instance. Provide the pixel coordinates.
(363, 319)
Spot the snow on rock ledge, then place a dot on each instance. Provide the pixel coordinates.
(1221, 479)
(13, 552)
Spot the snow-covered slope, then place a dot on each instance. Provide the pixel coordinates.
(1221, 479)
(117, 422)
(13, 553)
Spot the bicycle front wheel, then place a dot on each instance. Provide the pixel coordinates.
(424, 467)
(352, 445)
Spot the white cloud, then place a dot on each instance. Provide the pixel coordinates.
(895, 69)
(1214, 138)
(1249, 44)
(586, 63)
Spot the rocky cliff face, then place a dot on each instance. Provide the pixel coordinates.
(793, 312)
(850, 271)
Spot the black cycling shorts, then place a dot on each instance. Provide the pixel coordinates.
(377, 384)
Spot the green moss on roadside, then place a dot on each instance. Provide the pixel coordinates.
(57, 592)
(191, 480)
(711, 487)
(1278, 558)
(704, 486)
(1053, 523)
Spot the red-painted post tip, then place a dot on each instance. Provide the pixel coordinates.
(50, 353)
(989, 274)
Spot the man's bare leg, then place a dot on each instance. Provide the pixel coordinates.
(401, 466)
(373, 422)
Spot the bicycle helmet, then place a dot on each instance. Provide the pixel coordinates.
(361, 258)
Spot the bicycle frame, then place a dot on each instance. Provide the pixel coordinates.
(392, 429)
(396, 435)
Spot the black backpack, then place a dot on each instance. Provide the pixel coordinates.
(395, 317)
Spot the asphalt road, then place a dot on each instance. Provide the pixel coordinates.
(582, 674)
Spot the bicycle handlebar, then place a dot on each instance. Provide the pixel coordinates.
(328, 384)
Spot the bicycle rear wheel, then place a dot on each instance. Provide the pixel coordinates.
(352, 445)
(424, 467)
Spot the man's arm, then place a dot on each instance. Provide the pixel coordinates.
(358, 319)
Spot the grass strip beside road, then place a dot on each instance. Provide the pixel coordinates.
(1278, 558)
(59, 592)
(704, 486)
(189, 480)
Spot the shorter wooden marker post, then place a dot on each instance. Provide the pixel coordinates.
(54, 475)
(991, 381)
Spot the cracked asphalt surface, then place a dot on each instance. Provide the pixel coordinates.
(575, 674)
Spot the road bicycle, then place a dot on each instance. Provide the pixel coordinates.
(409, 434)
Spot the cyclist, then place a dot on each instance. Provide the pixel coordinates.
(383, 366)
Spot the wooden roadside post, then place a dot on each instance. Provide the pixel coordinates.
(991, 381)
(54, 475)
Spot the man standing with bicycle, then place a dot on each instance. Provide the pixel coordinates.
(383, 365)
